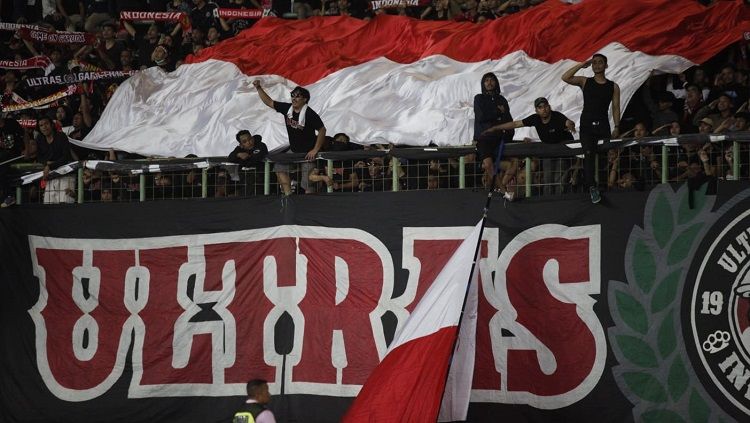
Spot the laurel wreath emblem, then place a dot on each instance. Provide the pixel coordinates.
(654, 370)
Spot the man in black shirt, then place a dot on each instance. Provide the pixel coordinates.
(250, 153)
(598, 93)
(251, 149)
(553, 127)
(302, 123)
(53, 150)
(491, 108)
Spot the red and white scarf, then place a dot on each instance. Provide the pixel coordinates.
(41, 102)
(241, 13)
(56, 37)
(42, 62)
(180, 17)
(8, 26)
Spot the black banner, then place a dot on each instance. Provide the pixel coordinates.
(633, 309)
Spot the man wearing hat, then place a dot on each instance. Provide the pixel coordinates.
(705, 126)
(302, 123)
(553, 127)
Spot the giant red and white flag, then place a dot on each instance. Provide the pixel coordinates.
(408, 384)
(406, 81)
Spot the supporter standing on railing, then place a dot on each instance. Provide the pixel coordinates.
(553, 127)
(302, 123)
(53, 150)
(598, 93)
(490, 109)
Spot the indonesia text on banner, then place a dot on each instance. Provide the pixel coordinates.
(42, 62)
(408, 384)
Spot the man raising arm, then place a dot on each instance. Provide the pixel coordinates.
(302, 123)
(598, 93)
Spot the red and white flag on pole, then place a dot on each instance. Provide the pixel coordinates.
(455, 404)
(408, 384)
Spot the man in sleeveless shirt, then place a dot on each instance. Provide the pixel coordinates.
(598, 93)
(254, 409)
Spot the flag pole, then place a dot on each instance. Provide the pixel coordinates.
(12, 160)
(474, 263)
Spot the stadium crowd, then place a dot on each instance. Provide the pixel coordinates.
(55, 90)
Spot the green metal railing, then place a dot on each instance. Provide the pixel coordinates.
(397, 167)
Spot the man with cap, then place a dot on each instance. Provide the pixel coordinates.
(302, 123)
(553, 127)
(705, 126)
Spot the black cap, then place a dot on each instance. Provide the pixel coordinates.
(539, 101)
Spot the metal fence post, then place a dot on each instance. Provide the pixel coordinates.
(19, 194)
(736, 160)
(142, 185)
(204, 183)
(527, 160)
(394, 176)
(266, 177)
(329, 172)
(664, 164)
(461, 172)
(79, 185)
